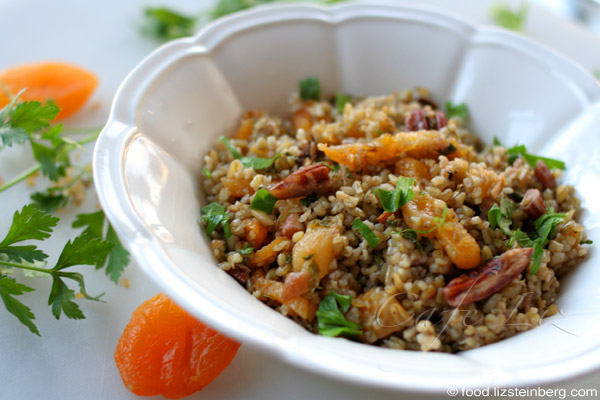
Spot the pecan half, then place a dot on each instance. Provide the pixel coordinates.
(486, 279)
(544, 175)
(416, 121)
(313, 178)
(533, 203)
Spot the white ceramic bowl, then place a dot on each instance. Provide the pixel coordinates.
(172, 107)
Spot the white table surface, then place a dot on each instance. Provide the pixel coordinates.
(74, 359)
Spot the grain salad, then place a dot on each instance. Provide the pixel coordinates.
(384, 220)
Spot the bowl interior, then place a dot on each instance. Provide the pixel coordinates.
(171, 110)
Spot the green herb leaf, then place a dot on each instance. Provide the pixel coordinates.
(459, 110)
(216, 214)
(536, 257)
(246, 250)
(93, 222)
(255, 163)
(263, 201)
(85, 249)
(165, 24)
(545, 226)
(393, 200)
(310, 88)
(587, 241)
(497, 142)
(207, 173)
(502, 216)
(61, 299)
(509, 19)
(366, 232)
(9, 288)
(29, 224)
(226, 7)
(49, 201)
(340, 101)
(331, 320)
(19, 120)
(515, 151)
(118, 258)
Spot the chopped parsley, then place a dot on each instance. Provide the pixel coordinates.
(509, 19)
(331, 320)
(207, 173)
(246, 250)
(216, 214)
(587, 241)
(393, 200)
(544, 231)
(340, 101)
(520, 150)
(263, 201)
(457, 110)
(502, 216)
(310, 88)
(366, 232)
(255, 163)
(411, 234)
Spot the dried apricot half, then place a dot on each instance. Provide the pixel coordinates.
(69, 86)
(164, 350)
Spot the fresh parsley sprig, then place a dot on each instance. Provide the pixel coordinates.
(33, 224)
(331, 320)
(32, 121)
(520, 150)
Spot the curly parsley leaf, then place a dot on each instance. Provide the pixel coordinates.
(457, 110)
(10, 288)
(214, 215)
(263, 201)
(391, 201)
(508, 18)
(366, 232)
(255, 163)
(310, 88)
(331, 320)
(165, 24)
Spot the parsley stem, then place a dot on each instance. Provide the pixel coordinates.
(21, 266)
(36, 167)
(21, 177)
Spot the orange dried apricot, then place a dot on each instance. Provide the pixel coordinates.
(164, 350)
(69, 86)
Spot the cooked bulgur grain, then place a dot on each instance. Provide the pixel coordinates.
(332, 165)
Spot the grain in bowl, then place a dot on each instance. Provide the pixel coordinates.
(384, 220)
